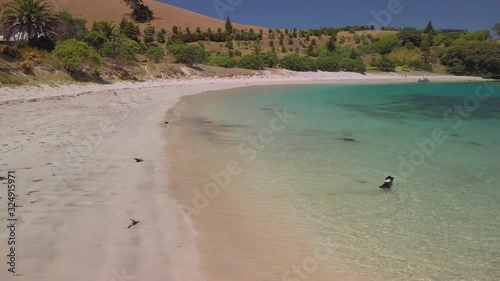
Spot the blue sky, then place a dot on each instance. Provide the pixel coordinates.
(305, 14)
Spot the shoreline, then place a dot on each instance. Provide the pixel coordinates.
(74, 147)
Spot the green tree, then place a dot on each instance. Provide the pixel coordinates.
(160, 38)
(189, 55)
(270, 59)
(425, 49)
(328, 63)
(149, 33)
(224, 60)
(473, 59)
(188, 30)
(70, 27)
(140, 12)
(155, 54)
(250, 62)
(77, 55)
(105, 28)
(30, 18)
(119, 52)
(385, 64)
(351, 65)
(229, 26)
(330, 45)
(175, 29)
(129, 29)
(429, 29)
(295, 62)
(496, 28)
(410, 34)
(94, 39)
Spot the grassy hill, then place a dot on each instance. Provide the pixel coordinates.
(113, 10)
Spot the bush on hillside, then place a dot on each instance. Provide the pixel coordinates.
(384, 64)
(328, 63)
(189, 55)
(155, 54)
(269, 59)
(473, 59)
(352, 65)
(77, 55)
(224, 60)
(250, 62)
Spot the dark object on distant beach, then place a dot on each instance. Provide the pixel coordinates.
(138, 160)
(2, 178)
(387, 183)
(134, 222)
(424, 80)
(349, 140)
(166, 122)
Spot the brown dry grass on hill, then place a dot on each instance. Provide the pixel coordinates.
(166, 15)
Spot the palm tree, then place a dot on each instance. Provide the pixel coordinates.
(29, 19)
(106, 28)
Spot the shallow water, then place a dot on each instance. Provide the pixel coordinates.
(323, 161)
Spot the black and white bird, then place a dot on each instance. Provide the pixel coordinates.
(388, 182)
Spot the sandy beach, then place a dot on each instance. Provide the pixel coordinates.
(77, 184)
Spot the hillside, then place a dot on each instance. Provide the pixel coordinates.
(165, 15)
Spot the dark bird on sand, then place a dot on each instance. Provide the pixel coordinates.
(138, 160)
(134, 222)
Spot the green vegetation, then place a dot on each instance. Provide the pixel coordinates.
(140, 12)
(223, 60)
(190, 55)
(33, 18)
(155, 54)
(117, 45)
(77, 55)
(250, 62)
(473, 59)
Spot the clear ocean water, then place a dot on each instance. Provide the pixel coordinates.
(440, 221)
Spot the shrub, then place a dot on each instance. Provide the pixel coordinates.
(26, 67)
(351, 65)
(410, 46)
(120, 53)
(160, 38)
(295, 62)
(94, 39)
(473, 59)
(419, 65)
(250, 62)
(77, 55)
(155, 54)
(224, 60)
(270, 59)
(328, 63)
(385, 64)
(188, 54)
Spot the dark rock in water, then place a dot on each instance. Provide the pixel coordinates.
(267, 109)
(456, 135)
(474, 143)
(349, 140)
(138, 160)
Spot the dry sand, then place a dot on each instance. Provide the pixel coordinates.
(72, 149)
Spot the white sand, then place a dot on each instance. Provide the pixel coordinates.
(72, 148)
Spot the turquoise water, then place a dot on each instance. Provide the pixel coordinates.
(441, 219)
